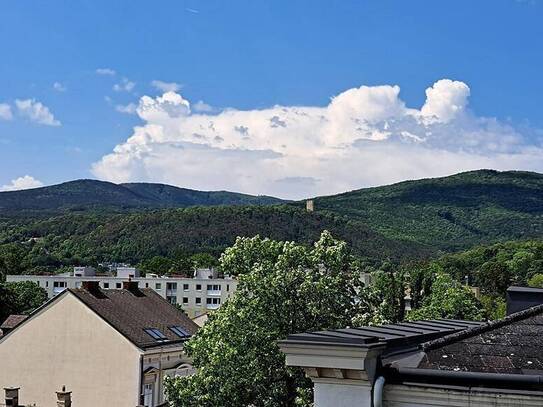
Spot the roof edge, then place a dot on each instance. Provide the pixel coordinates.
(517, 316)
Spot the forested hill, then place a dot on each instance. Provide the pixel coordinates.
(405, 221)
(92, 194)
(450, 213)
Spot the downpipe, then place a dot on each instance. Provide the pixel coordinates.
(378, 388)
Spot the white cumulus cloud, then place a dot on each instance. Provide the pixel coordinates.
(36, 112)
(125, 85)
(25, 182)
(59, 87)
(5, 112)
(106, 71)
(128, 109)
(166, 86)
(365, 136)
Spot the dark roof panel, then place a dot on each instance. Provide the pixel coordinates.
(12, 321)
(131, 312)
(394, 336)
(511, 345)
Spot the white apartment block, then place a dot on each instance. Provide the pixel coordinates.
(198, 295)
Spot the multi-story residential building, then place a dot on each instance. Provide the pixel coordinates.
(109, 347)
(197, 295)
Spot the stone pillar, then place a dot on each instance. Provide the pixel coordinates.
(12, 396)
(64, 398)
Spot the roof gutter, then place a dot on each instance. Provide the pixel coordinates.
(473, 379)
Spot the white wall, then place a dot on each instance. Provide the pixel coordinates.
(427, 396)
(346, 394)
(67, 344)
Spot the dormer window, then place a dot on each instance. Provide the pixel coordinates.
(180, 331)
(155, 334)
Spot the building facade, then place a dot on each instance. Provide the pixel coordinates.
(109, 347)
(198, 295)
(432, 363)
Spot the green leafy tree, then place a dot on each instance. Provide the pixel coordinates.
(536, 281)
(20, 298)
(157, 265)
(289, 288)
(203, 260)
(449, 299)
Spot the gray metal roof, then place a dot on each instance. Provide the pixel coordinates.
(394, 336)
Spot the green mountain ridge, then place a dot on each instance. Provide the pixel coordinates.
(93, 194)
(402, 222)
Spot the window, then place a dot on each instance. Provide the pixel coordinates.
(119, 285)
(227, 287)
(59, 284)
(198, 301)
(146, 285)
(180, 331)
(155, 334)
(185, 300)
(158, 286)
(172, 299)
(148, 390)
(185, 287)
(198, 287)
(106, 285)
(213, 301)
(47, 283)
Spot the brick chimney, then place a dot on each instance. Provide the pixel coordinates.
(131, 286)
(91, 286)
(12, 396)
(64, 398)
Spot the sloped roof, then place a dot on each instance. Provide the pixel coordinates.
(511, 345)
(12, 321)
(395, 336)
(132, 311)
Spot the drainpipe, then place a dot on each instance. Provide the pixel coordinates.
(378, 387)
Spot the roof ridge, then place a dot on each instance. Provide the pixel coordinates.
(467, 333)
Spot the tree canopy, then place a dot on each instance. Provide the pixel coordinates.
(283, 288)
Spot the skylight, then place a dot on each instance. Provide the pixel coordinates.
(180, 331)
(155, 334)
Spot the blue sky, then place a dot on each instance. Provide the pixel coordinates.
(251, 56)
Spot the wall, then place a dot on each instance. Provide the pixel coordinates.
(426, 396)
(344, 393)
(67, 344)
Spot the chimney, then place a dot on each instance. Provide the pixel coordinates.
(91, 286)
(64, 398)
(521, 298)
(12, 396)
(309, 205)
(131, 286)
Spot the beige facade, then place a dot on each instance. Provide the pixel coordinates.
(67, 344)
(197, 296)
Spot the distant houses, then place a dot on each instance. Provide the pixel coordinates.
(429, 363)
(108, 347)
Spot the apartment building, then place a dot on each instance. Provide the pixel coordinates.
(110, 347)
(197, 295)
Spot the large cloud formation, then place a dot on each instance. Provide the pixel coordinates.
(365, 136)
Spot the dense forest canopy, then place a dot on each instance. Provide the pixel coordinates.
(401, 223)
